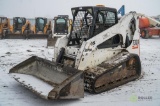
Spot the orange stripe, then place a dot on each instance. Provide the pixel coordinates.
(135, 47)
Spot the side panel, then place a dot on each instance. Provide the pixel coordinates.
(90, 47)
(92, 59)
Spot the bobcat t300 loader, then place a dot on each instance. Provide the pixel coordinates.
(99, 54)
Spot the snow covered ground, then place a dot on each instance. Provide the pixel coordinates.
(143, 92)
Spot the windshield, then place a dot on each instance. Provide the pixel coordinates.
(40, 24)
(110, 19)
(106, 17)
(41, 21)
(60, 21)
(61, 26)
(20, 20)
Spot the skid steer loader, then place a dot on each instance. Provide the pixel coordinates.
(41, 29)
(61, 27)
(4, 25)
(99, 54)
(19, 30)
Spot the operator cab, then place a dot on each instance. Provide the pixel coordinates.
(40, 24)
(90, 21)
(18, 22)
(61, 25)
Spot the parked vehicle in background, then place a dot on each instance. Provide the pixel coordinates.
(18, 30)
(148, 28)
(61, 27)
(41, 29)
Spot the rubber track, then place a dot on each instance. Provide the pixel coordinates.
(90, 76)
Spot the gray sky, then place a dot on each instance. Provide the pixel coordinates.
(51, 8)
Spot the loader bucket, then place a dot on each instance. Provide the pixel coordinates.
(37, 36)
(15, 36)
(48, 79)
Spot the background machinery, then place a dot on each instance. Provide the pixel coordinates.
(99, 54)
(4, 25)
(149, 27)
(61, 27)
(41, 29)
(18, 30)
